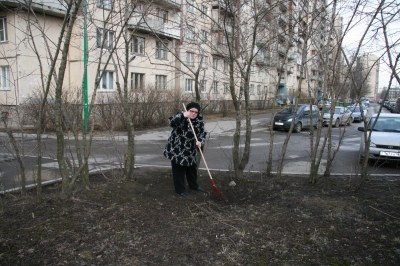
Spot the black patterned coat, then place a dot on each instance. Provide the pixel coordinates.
(181, 146)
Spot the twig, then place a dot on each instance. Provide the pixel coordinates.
(86, 202)
(384, 213)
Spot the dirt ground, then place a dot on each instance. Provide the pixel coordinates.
(264, 222)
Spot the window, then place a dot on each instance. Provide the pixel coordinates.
(251, 88)
(161, 82)
(265, 90)
(105, 39)
(204, 35)
(215, 87)
(299, 58)
(222, 38)
(252, 71)
(204, 11)
(204, 60)
(190, 59)
(259, 89)
(215, 63)
(106, 81)
(137, 81)
(137, 45)
(106, 4)
(225, 65)
(161, 50)
(190, 6)
(139, 6)
(190, 32)
(226, 88)
(203, 85)
(189, 85)
(4, 78)
(162, 15)
(3, 30)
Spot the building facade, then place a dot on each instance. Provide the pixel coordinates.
(170, 45)
(369, 64)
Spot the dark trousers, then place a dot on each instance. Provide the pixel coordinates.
(178, 174)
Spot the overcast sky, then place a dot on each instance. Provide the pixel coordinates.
(373, 43)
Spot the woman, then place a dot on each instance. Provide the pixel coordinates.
(182, 147)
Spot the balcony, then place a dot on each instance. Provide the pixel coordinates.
(217, 27)
(283, 21)
(223, 7)
(262, 40)
(303, 76)
(281, 50)
(221, 50)
(261, 60)
(150, 25)
(169, 3)
(283, 6)
(49, 7)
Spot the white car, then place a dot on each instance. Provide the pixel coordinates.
(385, 138)
(341, 116)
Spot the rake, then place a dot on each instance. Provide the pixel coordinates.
(215, 190)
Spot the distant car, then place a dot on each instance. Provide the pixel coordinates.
(385, 137)
(341, 116)
(386, 104)
(397, 106)
(356, 110)
(391, 107)
(365, 101)
(283, 119)
(327, 103)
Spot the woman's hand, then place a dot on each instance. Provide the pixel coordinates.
(198, 144)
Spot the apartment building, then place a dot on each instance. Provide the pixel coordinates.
(167, 45)
(369, 65)
(19, 57)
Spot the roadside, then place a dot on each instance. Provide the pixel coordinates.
(266, 221)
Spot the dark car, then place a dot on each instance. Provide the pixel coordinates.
(356, 110)
(283, 119)
(391, 107)
(396, 108)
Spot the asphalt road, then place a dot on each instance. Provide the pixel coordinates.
(108, 152)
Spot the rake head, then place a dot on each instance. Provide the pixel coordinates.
(217, 192)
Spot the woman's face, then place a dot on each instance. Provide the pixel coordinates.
(193, 113)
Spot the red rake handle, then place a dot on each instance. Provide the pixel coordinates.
(202, 156)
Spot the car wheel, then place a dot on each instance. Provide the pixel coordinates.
(337, 123)
(297, 127)
(350, 121)
(360, 158)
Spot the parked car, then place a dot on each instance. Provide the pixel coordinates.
(391, 106)
(386, 104)
(385, 137)
(356, 110)
(365, 101)
(397, 107)
(327, 103)
(283, 119)
(341, 116)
